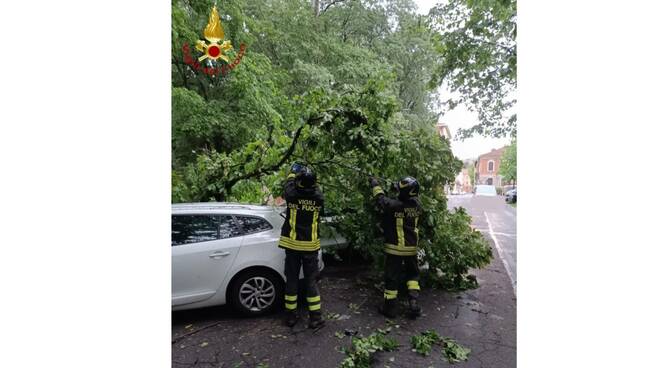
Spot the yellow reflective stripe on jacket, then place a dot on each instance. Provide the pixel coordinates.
(399, 232)
(416, 230)
(292, 223)
(412, 285)
(390, 294)
(290, 305)
(291, 298)
(315, 226)
(299, 244)
(314, 299)
(400, 251)
(314, 307)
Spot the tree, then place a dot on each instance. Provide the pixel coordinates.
(508, 166)
(470, 169)
(344, 92)
(477, 41)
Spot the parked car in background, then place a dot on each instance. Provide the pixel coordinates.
(227, 253)
(511, 196)
(485, 190)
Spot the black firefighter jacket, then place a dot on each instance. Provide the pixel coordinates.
(303, 208)
(399, 223)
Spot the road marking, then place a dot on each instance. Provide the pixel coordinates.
(505, 234)
(508, 235)
(500, 252)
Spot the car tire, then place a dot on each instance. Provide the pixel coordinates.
(256, 292)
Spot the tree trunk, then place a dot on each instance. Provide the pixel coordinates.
(316, 6)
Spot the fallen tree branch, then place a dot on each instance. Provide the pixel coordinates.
(287, 154)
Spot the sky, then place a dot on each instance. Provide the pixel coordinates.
(460, 117)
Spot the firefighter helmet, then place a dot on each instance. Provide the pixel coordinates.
(306, 178)
(408, 187)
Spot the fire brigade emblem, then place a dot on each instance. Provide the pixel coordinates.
(213, 33)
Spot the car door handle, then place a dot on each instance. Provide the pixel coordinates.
(219, 254)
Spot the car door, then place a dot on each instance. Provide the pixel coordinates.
(259, 237)
(204, 247)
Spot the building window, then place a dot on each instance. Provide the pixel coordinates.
(489, 181)
(491, 166)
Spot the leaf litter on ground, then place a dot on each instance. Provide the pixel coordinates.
(423, 343)
(360, 353)
(452, 351)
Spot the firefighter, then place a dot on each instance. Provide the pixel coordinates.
(300, 240)
(399, 222)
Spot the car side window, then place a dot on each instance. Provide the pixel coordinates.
(228, 227)
(253, 224)
(188, 229)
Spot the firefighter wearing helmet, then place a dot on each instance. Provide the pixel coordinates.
(399, 223)
(300, 240)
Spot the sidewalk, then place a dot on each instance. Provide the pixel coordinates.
(483, 320)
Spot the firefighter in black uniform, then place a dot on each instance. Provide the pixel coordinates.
(399, 222)
(300, 240)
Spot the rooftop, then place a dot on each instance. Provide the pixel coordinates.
(493, 152)
(220, 206)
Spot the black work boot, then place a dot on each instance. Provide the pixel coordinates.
(315, 319)
(414, 310)
(388, 308)
(291, 318)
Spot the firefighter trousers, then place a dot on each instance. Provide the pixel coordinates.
(397, 267)
(310, 265)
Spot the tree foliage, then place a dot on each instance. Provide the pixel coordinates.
(477, 41)
(508, 168)
(347, 92)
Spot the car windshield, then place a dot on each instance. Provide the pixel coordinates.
(486, 189)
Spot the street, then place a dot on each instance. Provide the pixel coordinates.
(496, 220)
(483, 319)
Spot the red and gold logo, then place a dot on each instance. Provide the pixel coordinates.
(214, 33)
(215, 47)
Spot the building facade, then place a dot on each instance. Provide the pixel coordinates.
(463, 182)
(487, 168)
(443, 130)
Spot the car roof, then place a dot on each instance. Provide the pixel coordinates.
(222, 207)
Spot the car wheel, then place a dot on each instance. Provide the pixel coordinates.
(256, 292)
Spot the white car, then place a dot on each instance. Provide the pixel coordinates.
(485, 190)
(227, 253)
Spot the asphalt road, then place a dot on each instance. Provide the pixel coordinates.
(483, 320)
(497, 220)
